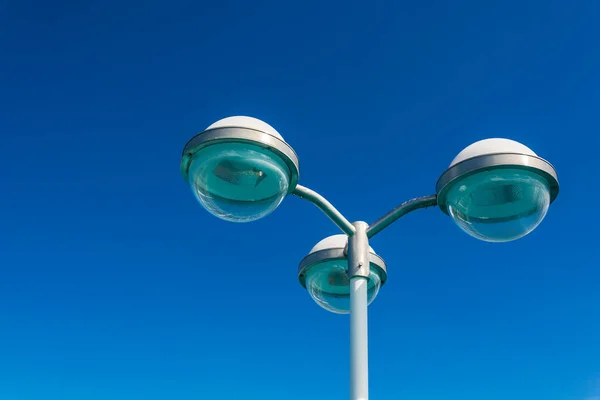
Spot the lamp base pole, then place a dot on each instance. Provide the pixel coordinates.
(358, 272)
(359, 351)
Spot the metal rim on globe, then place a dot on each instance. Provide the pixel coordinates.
(242, 134)
(496, 172)
(495, 161)
(338, 253)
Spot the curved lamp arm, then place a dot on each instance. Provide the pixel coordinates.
(400, 211)
(325, 206)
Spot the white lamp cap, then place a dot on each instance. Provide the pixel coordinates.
(334, 242)
(246, 122)
(491, 146)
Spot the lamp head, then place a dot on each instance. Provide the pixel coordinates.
(324, 273)
(497, 190)
(239, 168)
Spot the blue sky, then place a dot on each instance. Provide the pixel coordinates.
(115, 284)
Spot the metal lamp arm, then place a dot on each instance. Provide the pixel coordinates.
(325, 206)
(400, 211)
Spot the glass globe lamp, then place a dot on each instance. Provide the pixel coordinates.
(240, 168)
(324, 274)
(497, 190)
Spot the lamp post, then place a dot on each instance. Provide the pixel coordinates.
(240, 169)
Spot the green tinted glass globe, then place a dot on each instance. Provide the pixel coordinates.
(329, 286)
(499, 205)
(238, 182)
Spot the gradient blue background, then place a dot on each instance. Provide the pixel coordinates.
(115, 284)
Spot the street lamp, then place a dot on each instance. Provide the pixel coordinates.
(240, 169)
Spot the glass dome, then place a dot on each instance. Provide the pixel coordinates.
(238, 182)
(329, 286)
(499, 205)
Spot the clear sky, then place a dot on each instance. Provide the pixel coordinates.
(116, 284)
